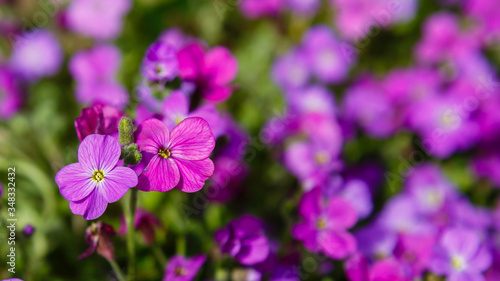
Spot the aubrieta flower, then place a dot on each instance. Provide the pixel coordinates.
(211, 71)
(98, 119)
(99, 19)
(304, 7)
(160, 62)
(483, 13)
(180, 157)
(95, 180)
(10, 95)
(358, 269)
(98, 237)
(325, 223)
(460, 255)
(180, 268)
(258, 8)
(291, 70)
(145, 222)
(95, 73)
(37, 54)
(244, 239)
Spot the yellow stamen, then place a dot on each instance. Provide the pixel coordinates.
(179, 271)
(458, 263)
(321, 224)
(98, 176)
(165, 153)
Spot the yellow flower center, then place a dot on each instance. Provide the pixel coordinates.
(458, 263)
(179, 271)
(98, 176)
(321, 224)
(322, 158)
(165, 153)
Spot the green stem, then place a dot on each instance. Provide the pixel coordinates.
(160, 256)
(117, 270)
(129, 219)
(181, 245)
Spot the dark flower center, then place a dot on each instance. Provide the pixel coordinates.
(165, 153)
(98, 176)
(179, 271)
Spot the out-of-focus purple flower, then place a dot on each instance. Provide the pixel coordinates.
(460, 255)
(180, 156)
(325, 223)
(401, 215)
(291, 71)
(28, 230)
(244, 240)
(311, 100)
(376, 241)
(98, 237)
(145, 222)
(414, 253)
(366, 104)
(442, 127)
(160, 62)
(387, 270)
(99, 19)
(176, 108)
(211, 71)
(95, 180)
(10, 94)
(484, 13)
(304, 7)
(37, 54)
(325, 55)
(357, 267)
(488, 166)
(94, 71)
(259, 8)
(357, 193)
(98, 119)
(443, 40)
(180, 268)
(228, 177)
(430, 188)
(174, 37)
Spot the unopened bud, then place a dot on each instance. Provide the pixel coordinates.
(132, 158)
(126, 131)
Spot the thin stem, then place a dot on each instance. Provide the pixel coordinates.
(129, 219)
(181, 245)
(117, 270)
(160, 256)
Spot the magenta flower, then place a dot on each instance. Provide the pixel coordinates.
(99, 19)
(325, 223)
(98, 237)
(160, 62)
(98, 119)
(244, 239)
(145, 222)
(37, 54)
(258, 8)
(211, 71)
(10, 95)
(460, 255)
(180, 268)
(180, 156)
(95, 180)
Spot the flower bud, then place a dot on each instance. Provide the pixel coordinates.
(132, 158)
(126, 131)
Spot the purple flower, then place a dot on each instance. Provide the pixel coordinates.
(325, 55)
(10, 95)
(174, 37)
(28, 230)
(291, 71)
(94, 71)
(98, 119)
(259, 8)
(387, 270)
(160, 62)
(99, 19)
(176, 108)
(98, 237)
(325, 223)
(304, 7)
(180, 156)
(211, 71)
(180, 268)
(414, 253)
(37, 54)
(483, 13)
(145, 222)
(95, 180)
(244, 240)
(357, 193)
(460, 255)
(227, 179)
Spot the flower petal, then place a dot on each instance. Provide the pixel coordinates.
(340, 214)
(99, 152)
(190, 62)
(116, 183)
(92, 207)
(74, 183)
(192, 139)
(160, 175)
(216, 93)
(220, 65)
(194, 174)
(152, 135)
(337, 245)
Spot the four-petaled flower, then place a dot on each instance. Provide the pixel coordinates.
(180, 157)
(96, 180)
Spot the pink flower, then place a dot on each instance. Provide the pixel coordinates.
(98, 119)
(211, 71)
(96, 180)
(180, 157)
